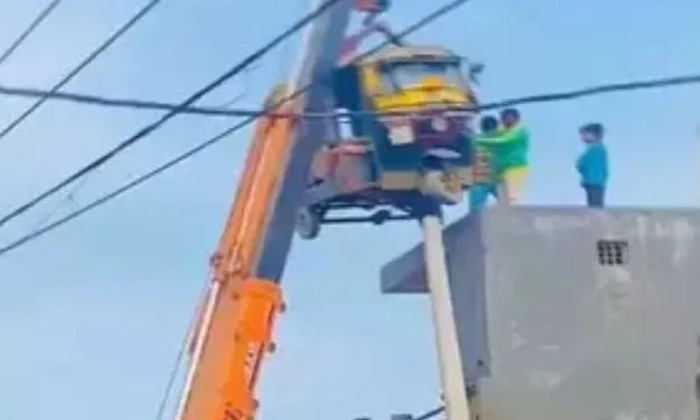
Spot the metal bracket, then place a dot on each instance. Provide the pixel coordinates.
(377, 218)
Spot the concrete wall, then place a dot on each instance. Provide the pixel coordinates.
(550, 332)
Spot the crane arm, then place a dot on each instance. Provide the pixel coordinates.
(235, 322)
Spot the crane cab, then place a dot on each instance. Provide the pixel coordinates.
(408, 132)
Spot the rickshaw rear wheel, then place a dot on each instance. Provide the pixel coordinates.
(308, 223)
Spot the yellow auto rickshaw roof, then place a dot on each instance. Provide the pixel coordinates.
(411, 52)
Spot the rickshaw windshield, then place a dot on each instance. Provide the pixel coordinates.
(407, 74)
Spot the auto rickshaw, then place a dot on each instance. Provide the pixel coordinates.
(409, 120)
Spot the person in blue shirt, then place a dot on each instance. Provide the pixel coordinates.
(592, 164)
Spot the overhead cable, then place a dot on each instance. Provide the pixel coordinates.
(419, 24)
(140, 104)
(33, 25)
(550, 97)
(145, 131)
(430, 414)
(80, 67)
(225, 111)
(191, 152)
(210, 142)
(181, 353)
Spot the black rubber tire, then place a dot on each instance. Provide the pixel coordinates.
(308, 223)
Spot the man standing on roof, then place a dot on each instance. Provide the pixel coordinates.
(592, 164)
(507, 150)
(513, 155)
(485, 176)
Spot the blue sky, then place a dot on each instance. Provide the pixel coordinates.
(92, 314)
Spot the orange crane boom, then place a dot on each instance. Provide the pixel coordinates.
(235, 323)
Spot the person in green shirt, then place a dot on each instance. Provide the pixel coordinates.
(485, 185)
(513, 154)
(506, 148)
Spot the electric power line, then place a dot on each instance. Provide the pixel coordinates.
(551, 97)
(70, 197)
(33, 25)
(80, 67)
(430, 414)
(172, 113)
(226, 111)
(202, 146)
(210, 142)
(419, 24)
(182, 350)
(87, 99)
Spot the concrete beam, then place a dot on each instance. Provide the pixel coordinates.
(406, 273)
